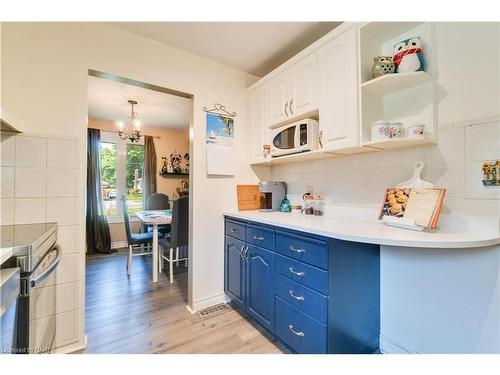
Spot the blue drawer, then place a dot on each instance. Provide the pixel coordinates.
(302, 273)
(259, 236)
(300, 332)
(301, 297)
(236, 230)
(305, 249)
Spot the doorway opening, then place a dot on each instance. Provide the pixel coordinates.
(139, 198)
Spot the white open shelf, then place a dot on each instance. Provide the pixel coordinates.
(394, 143)
(392, 83)
(297, 158)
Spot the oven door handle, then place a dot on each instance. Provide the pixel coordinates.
(49, 269)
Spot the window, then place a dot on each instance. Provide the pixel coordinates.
(121, 174)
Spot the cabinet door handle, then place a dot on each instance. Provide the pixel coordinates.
(290, 107)
(297, 333)
(292, 294)
(260, 238)
(286, 112)
(296, 273)
(242, 252)
(246, 254)
(295, 250)
(234, 230)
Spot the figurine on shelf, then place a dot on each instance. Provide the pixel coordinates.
(164, 167)
(382, 65)
(408, 55)
(175, 161)
(186, 160)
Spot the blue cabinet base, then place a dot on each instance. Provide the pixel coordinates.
(308, 293)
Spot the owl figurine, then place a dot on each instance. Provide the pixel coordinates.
(407, 55)
(382, 65)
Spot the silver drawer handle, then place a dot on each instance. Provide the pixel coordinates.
(295, 272)
(297, 333)
(258, 238)
(292, 294)
(295, 250)
(234, 230)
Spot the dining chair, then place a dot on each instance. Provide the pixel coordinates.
(178, 239)
(158, 201)
(137, 242)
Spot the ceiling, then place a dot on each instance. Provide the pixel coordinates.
(253, 47)
(107, 100)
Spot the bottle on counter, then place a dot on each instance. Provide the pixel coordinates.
(318, 205)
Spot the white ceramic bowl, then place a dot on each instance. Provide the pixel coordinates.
(415, 131)
(378, 130)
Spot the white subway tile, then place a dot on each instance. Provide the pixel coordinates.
(29, 210)
(31, 151)
(7, 208)
(473, 183)
(66, 328)
(30, 182)
(373, 182)
(54, 300)
(60, 182)
(449, 176)
(8, 150)
(482, 142)
(60, 153)
(66, 239)
(61, 210)
(454, 206)
(415, 154)
(7, 190)
(450, 147)
(382, 159)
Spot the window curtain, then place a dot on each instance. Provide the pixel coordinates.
(98, 237)
(149, 170)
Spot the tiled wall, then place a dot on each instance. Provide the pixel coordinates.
(41, 182)
(454, 163)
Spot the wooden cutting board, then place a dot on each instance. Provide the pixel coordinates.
(248, 197)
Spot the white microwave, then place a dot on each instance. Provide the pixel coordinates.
(296, 137)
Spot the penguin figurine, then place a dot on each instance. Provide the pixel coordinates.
(408, 56)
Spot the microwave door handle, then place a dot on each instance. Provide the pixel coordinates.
(286, 112)
(290, 107)
(49, 269)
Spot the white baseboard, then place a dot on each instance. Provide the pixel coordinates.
(119, 244)
(72, 348)
(389, 346)
(208, 301)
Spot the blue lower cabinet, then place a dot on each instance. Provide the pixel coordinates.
(312, 277)
(299, 331)
(234, 270)
(260, 286)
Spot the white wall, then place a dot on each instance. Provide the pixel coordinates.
(435, 301)
(44, 82)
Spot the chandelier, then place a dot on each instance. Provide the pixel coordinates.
(131, 130)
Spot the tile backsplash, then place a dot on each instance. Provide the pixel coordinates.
(41, 181)
(453, 163)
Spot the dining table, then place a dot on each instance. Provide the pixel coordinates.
(155, 218)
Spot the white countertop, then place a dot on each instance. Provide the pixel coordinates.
(360, 224)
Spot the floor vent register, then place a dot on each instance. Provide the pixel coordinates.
(221, 307)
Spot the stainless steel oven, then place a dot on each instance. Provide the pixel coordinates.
(37, 255)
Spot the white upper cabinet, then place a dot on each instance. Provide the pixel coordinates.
(338, 77)
(279, 92)
(304, 86)
(259, 126)
(294, 92)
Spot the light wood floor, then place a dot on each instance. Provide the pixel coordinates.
(131, 315)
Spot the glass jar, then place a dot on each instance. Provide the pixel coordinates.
(308, 204)
(318, 205)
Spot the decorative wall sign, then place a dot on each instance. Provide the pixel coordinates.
(491, 173)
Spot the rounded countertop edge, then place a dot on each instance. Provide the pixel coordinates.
(487, 241)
